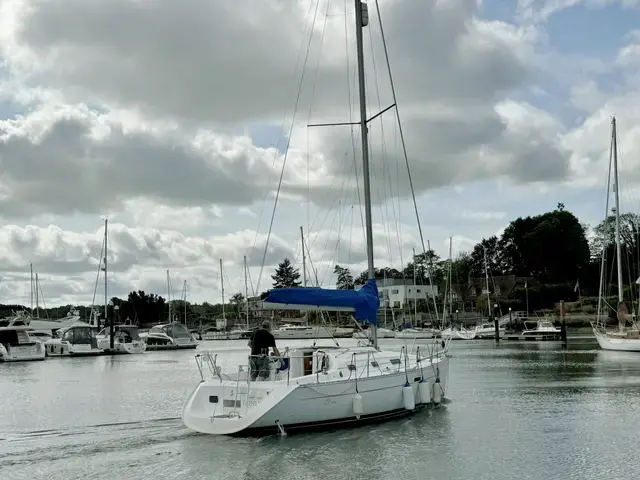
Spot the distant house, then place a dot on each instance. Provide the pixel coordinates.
(500, 288)
(399, 293)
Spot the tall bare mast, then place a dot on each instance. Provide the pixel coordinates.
(106, 291)
(37, 298)
(486, 280)
(304, 259)
(31, 285)
(222, 285)
(616, 185)
(169, 295)
(185, 302)
(415, 298)
(362, 20)
(450, 278)
(246, 289)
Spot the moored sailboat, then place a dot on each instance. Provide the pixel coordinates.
(624, 338)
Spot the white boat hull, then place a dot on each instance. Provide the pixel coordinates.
(247, 408)
(366, 334)
(160, 341)
(133, 348)
(301, 334)
(221, 336)
(56, 348)
(490, 333)
(411, 334)
(22, 353)
(450, 334)
(609, 342)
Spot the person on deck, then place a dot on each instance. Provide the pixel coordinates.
(260, 342)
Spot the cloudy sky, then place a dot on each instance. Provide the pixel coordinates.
(175, 119)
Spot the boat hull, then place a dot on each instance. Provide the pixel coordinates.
(608, 342)
(161, 341)
(22, 353)
(305, 406)
(65, 349)
(221, 336)
(132, 348)
(414, 334)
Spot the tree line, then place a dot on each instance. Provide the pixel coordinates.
(143, 308)
(555, 249)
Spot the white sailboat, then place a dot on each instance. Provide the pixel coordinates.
(624, 338)
(319, 387)
(171, 335)
(459, 332)
(487, 329)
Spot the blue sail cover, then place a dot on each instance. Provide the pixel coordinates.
(365, 301)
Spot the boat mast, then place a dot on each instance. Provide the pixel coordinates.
(617, 199)
(169, 295)
(450, 279)
(105, 270)
(31, 283)
(486, 279)
(106, 292)
(304, 260)
(37, 299)
(362, 20)
(415, 297)
(246, 287)
(185, 302)
(222, 285)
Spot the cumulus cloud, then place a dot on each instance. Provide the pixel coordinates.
(138, 110)
(207, 66)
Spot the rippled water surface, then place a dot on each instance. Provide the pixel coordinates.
(516, 411)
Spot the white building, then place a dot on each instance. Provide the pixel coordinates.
(398, 293)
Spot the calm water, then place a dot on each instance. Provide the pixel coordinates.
(516, 411)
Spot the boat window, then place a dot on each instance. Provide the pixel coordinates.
(307, 363)
(351, 367)
(231, 403)
(129, 334)
(395, 361)
(177, 330)
(213, 399)
(375, 364)
(9, 337)
(79, 335)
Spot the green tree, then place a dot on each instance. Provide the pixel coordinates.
(237, 300)
(604, 238)
(461, 268)
(285, 275)
(604, 234)
(551, 247)
(344, 280)
(147, 308)
(491, 248)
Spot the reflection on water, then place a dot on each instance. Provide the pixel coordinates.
(516, 410)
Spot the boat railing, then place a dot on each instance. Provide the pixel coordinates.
(320, 362)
